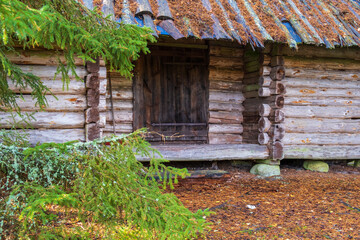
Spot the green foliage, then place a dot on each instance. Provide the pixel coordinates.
(71, 29)
(101, 185)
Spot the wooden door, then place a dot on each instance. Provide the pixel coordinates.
(171, 94)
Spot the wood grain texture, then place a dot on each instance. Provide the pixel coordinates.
(225, 128)
(322, 125)
(322, 139)
(321, 101)
(223, 138)
(322, 112)
(319, 152)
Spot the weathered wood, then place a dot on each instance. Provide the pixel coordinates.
(232, 97)
(224, 138)
(121, 104)
(220, 85)
(120, 128)
(277, 87)
(232, 75)
(277, 73)
(48, 72)
(92, 115)
(306, 73)
(264, 92)
(92, 131)
(321, 63)
(223, 62)
(322, 112)
(276, 101)
(103, 86)
(311, 125)
(93, 97)
(310, 51)
(319, 82)
(323, 92)
(121, 116)
(264, 110)
(68, 103)
(265, 81)
(122, 95)
(225, 117)
(316, 152)
(223, 106)
(226, 52)
(56, 87)
(322, 101)
(277, 132)
(48, 120)
(92, 81)
(93, 67)
(276, 151)
(210, 152)
(263, 138)
(54, 135)
(264, 124)
(322, 139)
(276, 61)
(225, 128)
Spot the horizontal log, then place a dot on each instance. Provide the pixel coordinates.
(253, 66)
(276, 116)
(277, 61)
(277, 87)
(119, 82)
(264, 124)
(323, 92)
(53, 135)
(232, 75)
(322, 52)
(273, 101)
(225, 128)
(102, 73)
(321, 83)
(224, 138)
(208, 152)
(251, 127)
(56, 87)
(277, 73)
(322, 139)
(226, 52)
(120, 128)
(68, 103)
(250, 137)
(225, 117)
(316, 152)
(103, 86)
(311, 125)
(48, 120)
(323, 101)
(305, 73)
(321, 63)
(228, 107)
(120, 104)
(121, 95)
(265, 81)
(221, 85)
(224, 62)
(264, 92)
(48, 72)
(121, 116)
(322, 112)
(233, 97)
(251, 87)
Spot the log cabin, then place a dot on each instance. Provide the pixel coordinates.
(226, 80)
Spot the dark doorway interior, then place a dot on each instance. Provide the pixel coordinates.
(171, 94)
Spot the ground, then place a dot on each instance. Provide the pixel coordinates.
(299, 205)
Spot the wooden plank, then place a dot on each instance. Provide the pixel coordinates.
(56, 87)
(231, 75)
(322, 112)
(321, 83)
(54, 135)
(121, 116)
(223, 62)
(316, 152)
(323, 92)
(228, 107)
(39, 57)
(311, 125)
(322, 63)
(225, 117)
(206, 152)
(232, 97)
(125, 94)
(49, 120)
(221, 85)
(323, 101)
(48, 72)
(68, 103)
(310, 51)
(306, 73)
(224, 138)
(121, 104)
(120, 128)
(226, 52)
(225, 128)
(322, 139)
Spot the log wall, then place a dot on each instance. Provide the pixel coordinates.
(322, 103)
(65, 117)
(226, 72)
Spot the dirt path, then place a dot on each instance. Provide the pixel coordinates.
(300, 205)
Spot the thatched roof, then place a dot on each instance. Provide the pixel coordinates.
(321, 22)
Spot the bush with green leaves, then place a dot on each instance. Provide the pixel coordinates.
(97, 189)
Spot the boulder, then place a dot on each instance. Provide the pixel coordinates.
(316, 166)
(265, 170)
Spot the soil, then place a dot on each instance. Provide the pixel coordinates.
(299, 205)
